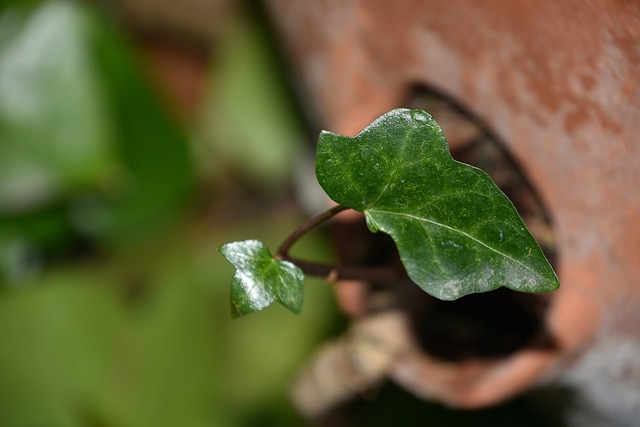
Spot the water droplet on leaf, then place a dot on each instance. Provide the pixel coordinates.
(419, 115)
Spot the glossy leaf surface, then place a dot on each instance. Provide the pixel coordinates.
(456, 232)
(260, 279)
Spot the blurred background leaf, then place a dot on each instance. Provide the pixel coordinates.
(87, 154)
(57, 135)
(250, 125)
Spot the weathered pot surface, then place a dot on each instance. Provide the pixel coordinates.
(558, 83)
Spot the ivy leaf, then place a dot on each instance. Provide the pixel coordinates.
(456, 232)
(260, 279)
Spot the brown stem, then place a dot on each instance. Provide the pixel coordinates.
(305, 227)
(331, 272)
(341, 272)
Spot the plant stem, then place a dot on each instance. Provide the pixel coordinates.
(332, 272)
(341, 272)
(305, 227)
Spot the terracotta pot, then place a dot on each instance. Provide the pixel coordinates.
(559, 84)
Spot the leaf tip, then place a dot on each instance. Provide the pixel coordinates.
(235, 310)
(554, 284)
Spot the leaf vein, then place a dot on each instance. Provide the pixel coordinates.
(396, 167)
(420, 219)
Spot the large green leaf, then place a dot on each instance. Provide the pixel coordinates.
(456, 232)
(260, 279)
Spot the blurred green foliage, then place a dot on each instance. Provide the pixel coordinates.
(86, 151)
(145, 339)
(251, 129)
(57, 135)
(114, 304)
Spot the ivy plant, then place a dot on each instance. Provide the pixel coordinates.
(455, 230)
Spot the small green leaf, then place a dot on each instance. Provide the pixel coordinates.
(260, 279)
(456, 232)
